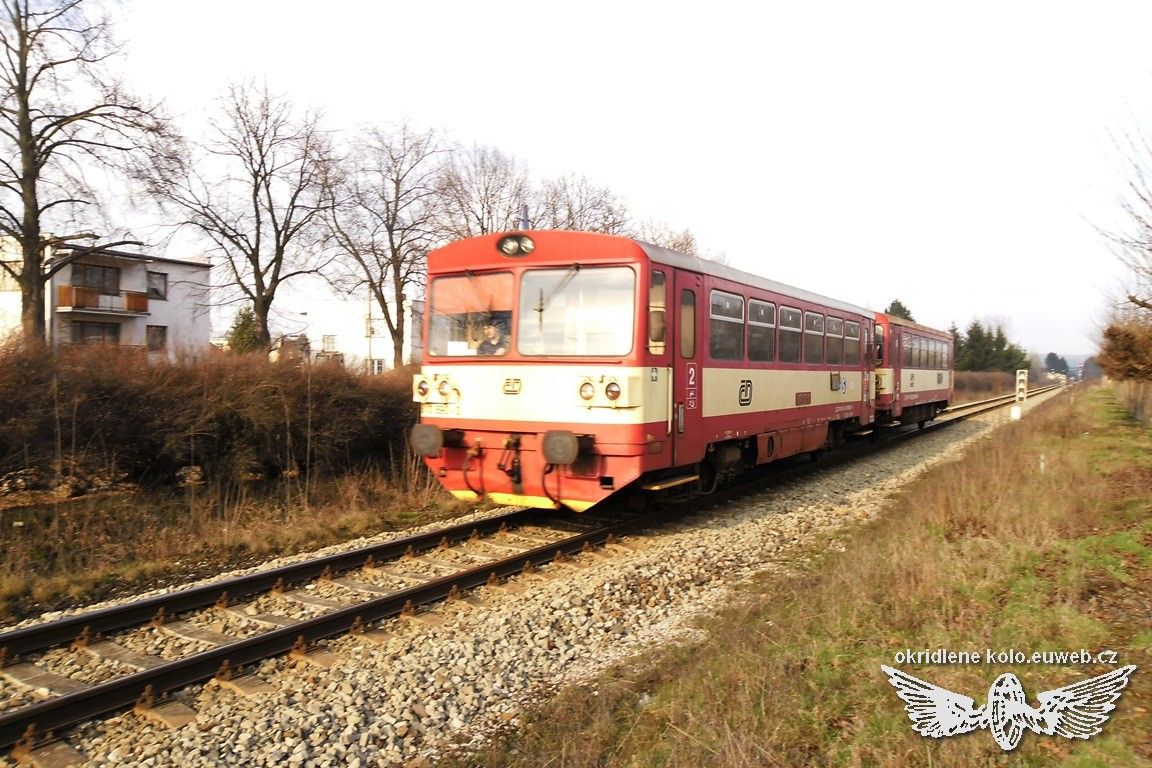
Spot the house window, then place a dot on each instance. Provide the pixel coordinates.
(158, 285)
(157, 338)
(103, 279)
(377, 365)
(95, 333)
(328, 343)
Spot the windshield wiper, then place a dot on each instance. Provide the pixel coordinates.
(544, 302)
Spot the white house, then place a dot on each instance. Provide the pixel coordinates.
(116, 297)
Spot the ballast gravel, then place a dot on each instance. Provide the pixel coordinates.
(449, 679)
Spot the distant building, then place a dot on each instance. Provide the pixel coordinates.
(287, 349)
(349, 329)
(117, 297)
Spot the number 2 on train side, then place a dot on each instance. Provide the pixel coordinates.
(690, 386)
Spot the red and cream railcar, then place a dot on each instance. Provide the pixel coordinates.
(913, 371)
(619, 364)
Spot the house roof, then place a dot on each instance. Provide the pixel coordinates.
(136, 256)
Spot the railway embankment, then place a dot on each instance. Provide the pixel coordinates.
(622, 634)
(1032, 538)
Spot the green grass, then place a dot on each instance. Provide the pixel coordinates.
(987, 553)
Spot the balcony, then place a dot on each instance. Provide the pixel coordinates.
(75, 298)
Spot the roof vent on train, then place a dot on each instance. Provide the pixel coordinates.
(516, 245)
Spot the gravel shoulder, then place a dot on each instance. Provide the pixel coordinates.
(452, 680)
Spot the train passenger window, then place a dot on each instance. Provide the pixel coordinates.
(726, 326)
(657, 304)
(906, 350)
(852, 343)
(687, 323)
(761, 331)
(879, 343)
(834, 341)
(813, 337)
(790, 332)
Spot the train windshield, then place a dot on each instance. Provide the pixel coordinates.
(576, 311)
(461, 305)
(571, 311)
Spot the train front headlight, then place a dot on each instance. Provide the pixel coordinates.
(516, 245)
(612, 391)
(587, 391)
(444, 388)
(560, 446)
(426, 440)
(422, 388)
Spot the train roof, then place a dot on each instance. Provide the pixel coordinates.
(895, 320)
(459, 255)
(695, 264)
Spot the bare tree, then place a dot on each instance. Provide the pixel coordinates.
(483, 191)
(62, 113)
(1133, 244)
(258, 190)
(571, 202)
(385, 218)
(664, 236)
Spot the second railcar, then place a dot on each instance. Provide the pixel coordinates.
(914, 371)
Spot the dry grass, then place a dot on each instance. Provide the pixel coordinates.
(1041, 539)
(92, 547)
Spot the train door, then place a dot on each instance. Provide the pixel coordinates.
(687, 372)
(868, 374)
(896, 358)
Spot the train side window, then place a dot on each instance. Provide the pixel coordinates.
(791, 325)
(834, 341)
(761, 331)
(725, 326)
(687, 323)
(906, 350)
(813, 338)
(657, 314)
(879, 343)
(852, 342)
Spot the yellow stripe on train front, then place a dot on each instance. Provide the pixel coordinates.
(539, 502)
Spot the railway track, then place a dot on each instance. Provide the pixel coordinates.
(389, 579)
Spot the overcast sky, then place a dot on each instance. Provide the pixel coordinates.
(957, 157)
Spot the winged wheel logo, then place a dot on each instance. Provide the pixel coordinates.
(1076, 711)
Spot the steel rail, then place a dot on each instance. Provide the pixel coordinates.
(119, 694)
(38, 637)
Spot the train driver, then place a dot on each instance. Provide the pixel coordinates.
(494, 342)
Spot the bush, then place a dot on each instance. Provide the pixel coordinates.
(100, 408)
